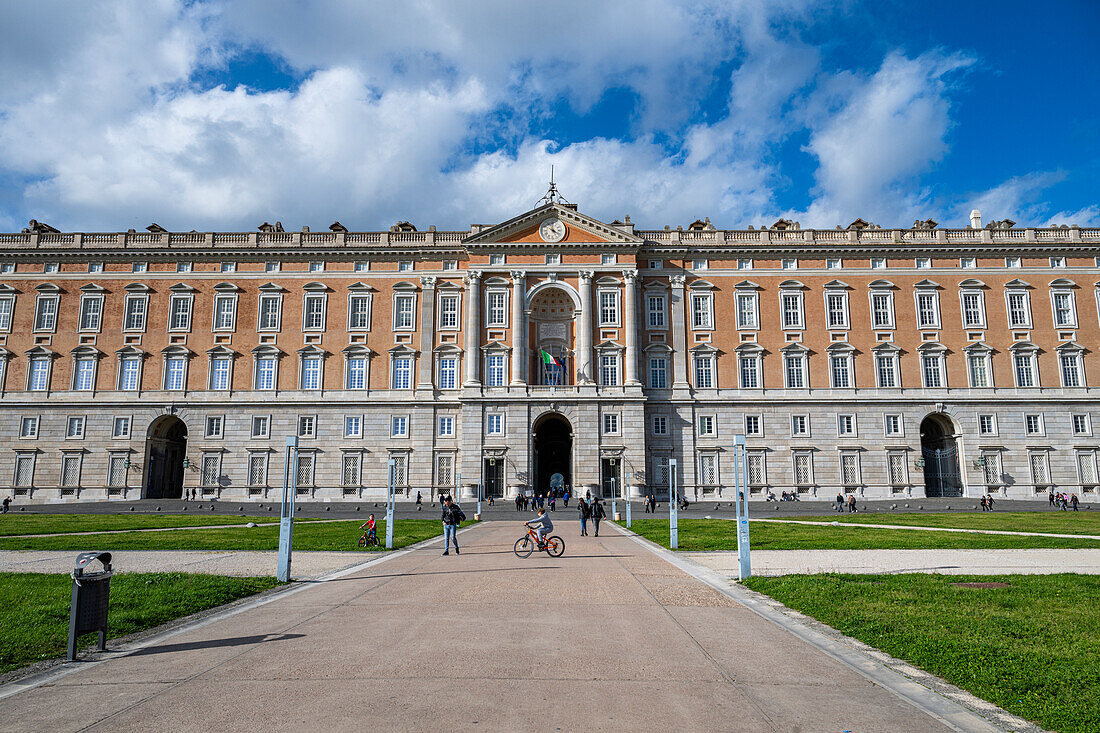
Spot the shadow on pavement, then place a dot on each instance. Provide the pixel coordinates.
(214, 643)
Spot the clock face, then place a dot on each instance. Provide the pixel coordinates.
(552, 230)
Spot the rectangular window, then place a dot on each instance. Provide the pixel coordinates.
(129, 376)
(702, 316)
(1071, 370)
(754, 469)
(229, 267)
(183, 267)
(84, 374)
(849, 469)
(554, 259)
(402, 372)
(91, 313)
(38, 380)
(179, 313)
(973, 307)
(882, 310)
(213, 427)
(1082, 425)
(878, 263)
(748, 369)
(967, 262)
(662, 475)
(992, 468)
(45, 313)
(803, 469)
(316, 266)
(1033, 424)
(744, 264)
(655, 264)
(886, 371)
(272, 266)
(313, 318)
(448, 373)
(444, 470)
(404, 265)
(845, 425)
(494, 424)
(753, 425)
(7, 304)
(655, 309)
(261, 426)
(891, 424)
(265, 372)
(496, 260)
(450, 265)
(899, 470)
(139, 267)
(28, 427)
(95, 267)
(70, 470)
(24, 470)
(311, 373)
(1065, 315)
(790, 264)
(121, 427)
(175, 373)
(792, 310)
(607, 259)
(211, 469)
(307, 426)
(746, 310)
(660, 425)
(116, 471)
(1040, 470)
(978, 365)
(609, 370)
(497, 302)
(837, 306)
(932, 370)
(609, 308)
(706, 426)
(220, 370)
(795, 374)
(271, 311)
(353, 426)
(135, 312)
(987, 425)
(698, 264)
(304, 470)
(494, 370)
(928, 312)
(610, 423)
(1019, 310)
(833, 263)
(704, 372)
(1025, 369)
(361, 266)
(359, 312)
(708, 470)
(922, 263)
(352, 469)
(400, 468)
(448, 312)
(658, 372)
(446, 427)
(225, 312)
(257, 469)
(800, 425)
(404, 316)
(841, 372)
(1012, 262)
(1086, 468)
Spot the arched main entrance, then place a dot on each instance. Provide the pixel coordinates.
(940, 452)
(553, 451)
(165, 448)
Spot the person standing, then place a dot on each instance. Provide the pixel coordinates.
(7, 503)
(1072, 500)
(989, 502)
(597, 514)
(840, 503)
(452, 515)
(852, 504)
(565, 499)
(419, 502)
(583, 513)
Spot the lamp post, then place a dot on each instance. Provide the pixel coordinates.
(286, 508)
(741, 492)
(627, 497)
(673, 506)
(614, 505)
(390, 501)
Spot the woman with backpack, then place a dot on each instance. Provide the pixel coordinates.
(597, 514)
(584, 512)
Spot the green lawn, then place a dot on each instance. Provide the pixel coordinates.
(1055, 522)
(343, 535)
(13, 524)
(1031, 648)
(34, 607)
(718, 534)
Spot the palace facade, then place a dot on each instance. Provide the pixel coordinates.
(550, 349)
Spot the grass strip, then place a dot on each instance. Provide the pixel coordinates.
(332, 536)
(34, 607)
(702, 535)
(1030, 648)
(16, 524)
(1054, 522)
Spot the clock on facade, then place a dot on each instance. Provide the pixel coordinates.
(552, 230)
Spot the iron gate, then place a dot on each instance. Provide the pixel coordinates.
(941, 472)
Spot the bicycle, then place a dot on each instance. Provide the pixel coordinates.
(369, 539)
(554, 546)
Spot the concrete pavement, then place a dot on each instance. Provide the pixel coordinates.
(610, 637)
(240, 563)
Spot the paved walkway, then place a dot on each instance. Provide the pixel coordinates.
(241, 563)
(948, 562)
(610, 637)
(928, 529)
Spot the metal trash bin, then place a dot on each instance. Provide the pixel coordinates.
(91, 599)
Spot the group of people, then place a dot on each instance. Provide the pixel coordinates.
(850, 503)
(549, 500)
(1062, 500)
(987, 503)
(784, 496)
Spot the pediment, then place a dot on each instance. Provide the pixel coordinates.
(579, 229)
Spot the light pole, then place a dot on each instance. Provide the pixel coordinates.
(614, 505)
(286, 508)
(673, 506)
(741, 491)
(627, 497)
(391, 500)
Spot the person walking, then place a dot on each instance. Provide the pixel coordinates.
(452, 515)
(7, 503)
(565, 499)
(852, 504)
(597, 514)
(1050, 498)
(989, 502)
(1072, 501)
(419, 502)
(583, 512)
(840, 503)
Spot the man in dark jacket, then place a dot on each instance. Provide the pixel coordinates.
(452, 515)
(597, 514)
(585, 513)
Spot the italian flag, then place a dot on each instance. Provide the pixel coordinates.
(551, 360)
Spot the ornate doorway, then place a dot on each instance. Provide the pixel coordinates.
(165, 449)
(553, 452)
(940, 453)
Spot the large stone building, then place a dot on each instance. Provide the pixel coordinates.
(550, 348)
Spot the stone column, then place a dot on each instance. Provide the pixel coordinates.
(630, 324)
(427, 333)
(584, 331)
(679, 333)
(472, 337)
(519, 327)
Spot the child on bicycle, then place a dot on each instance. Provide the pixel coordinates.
(542, 526)
(372, 536)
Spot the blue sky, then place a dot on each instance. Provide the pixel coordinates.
(218, 115)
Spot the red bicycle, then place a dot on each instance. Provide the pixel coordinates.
(554, 545)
